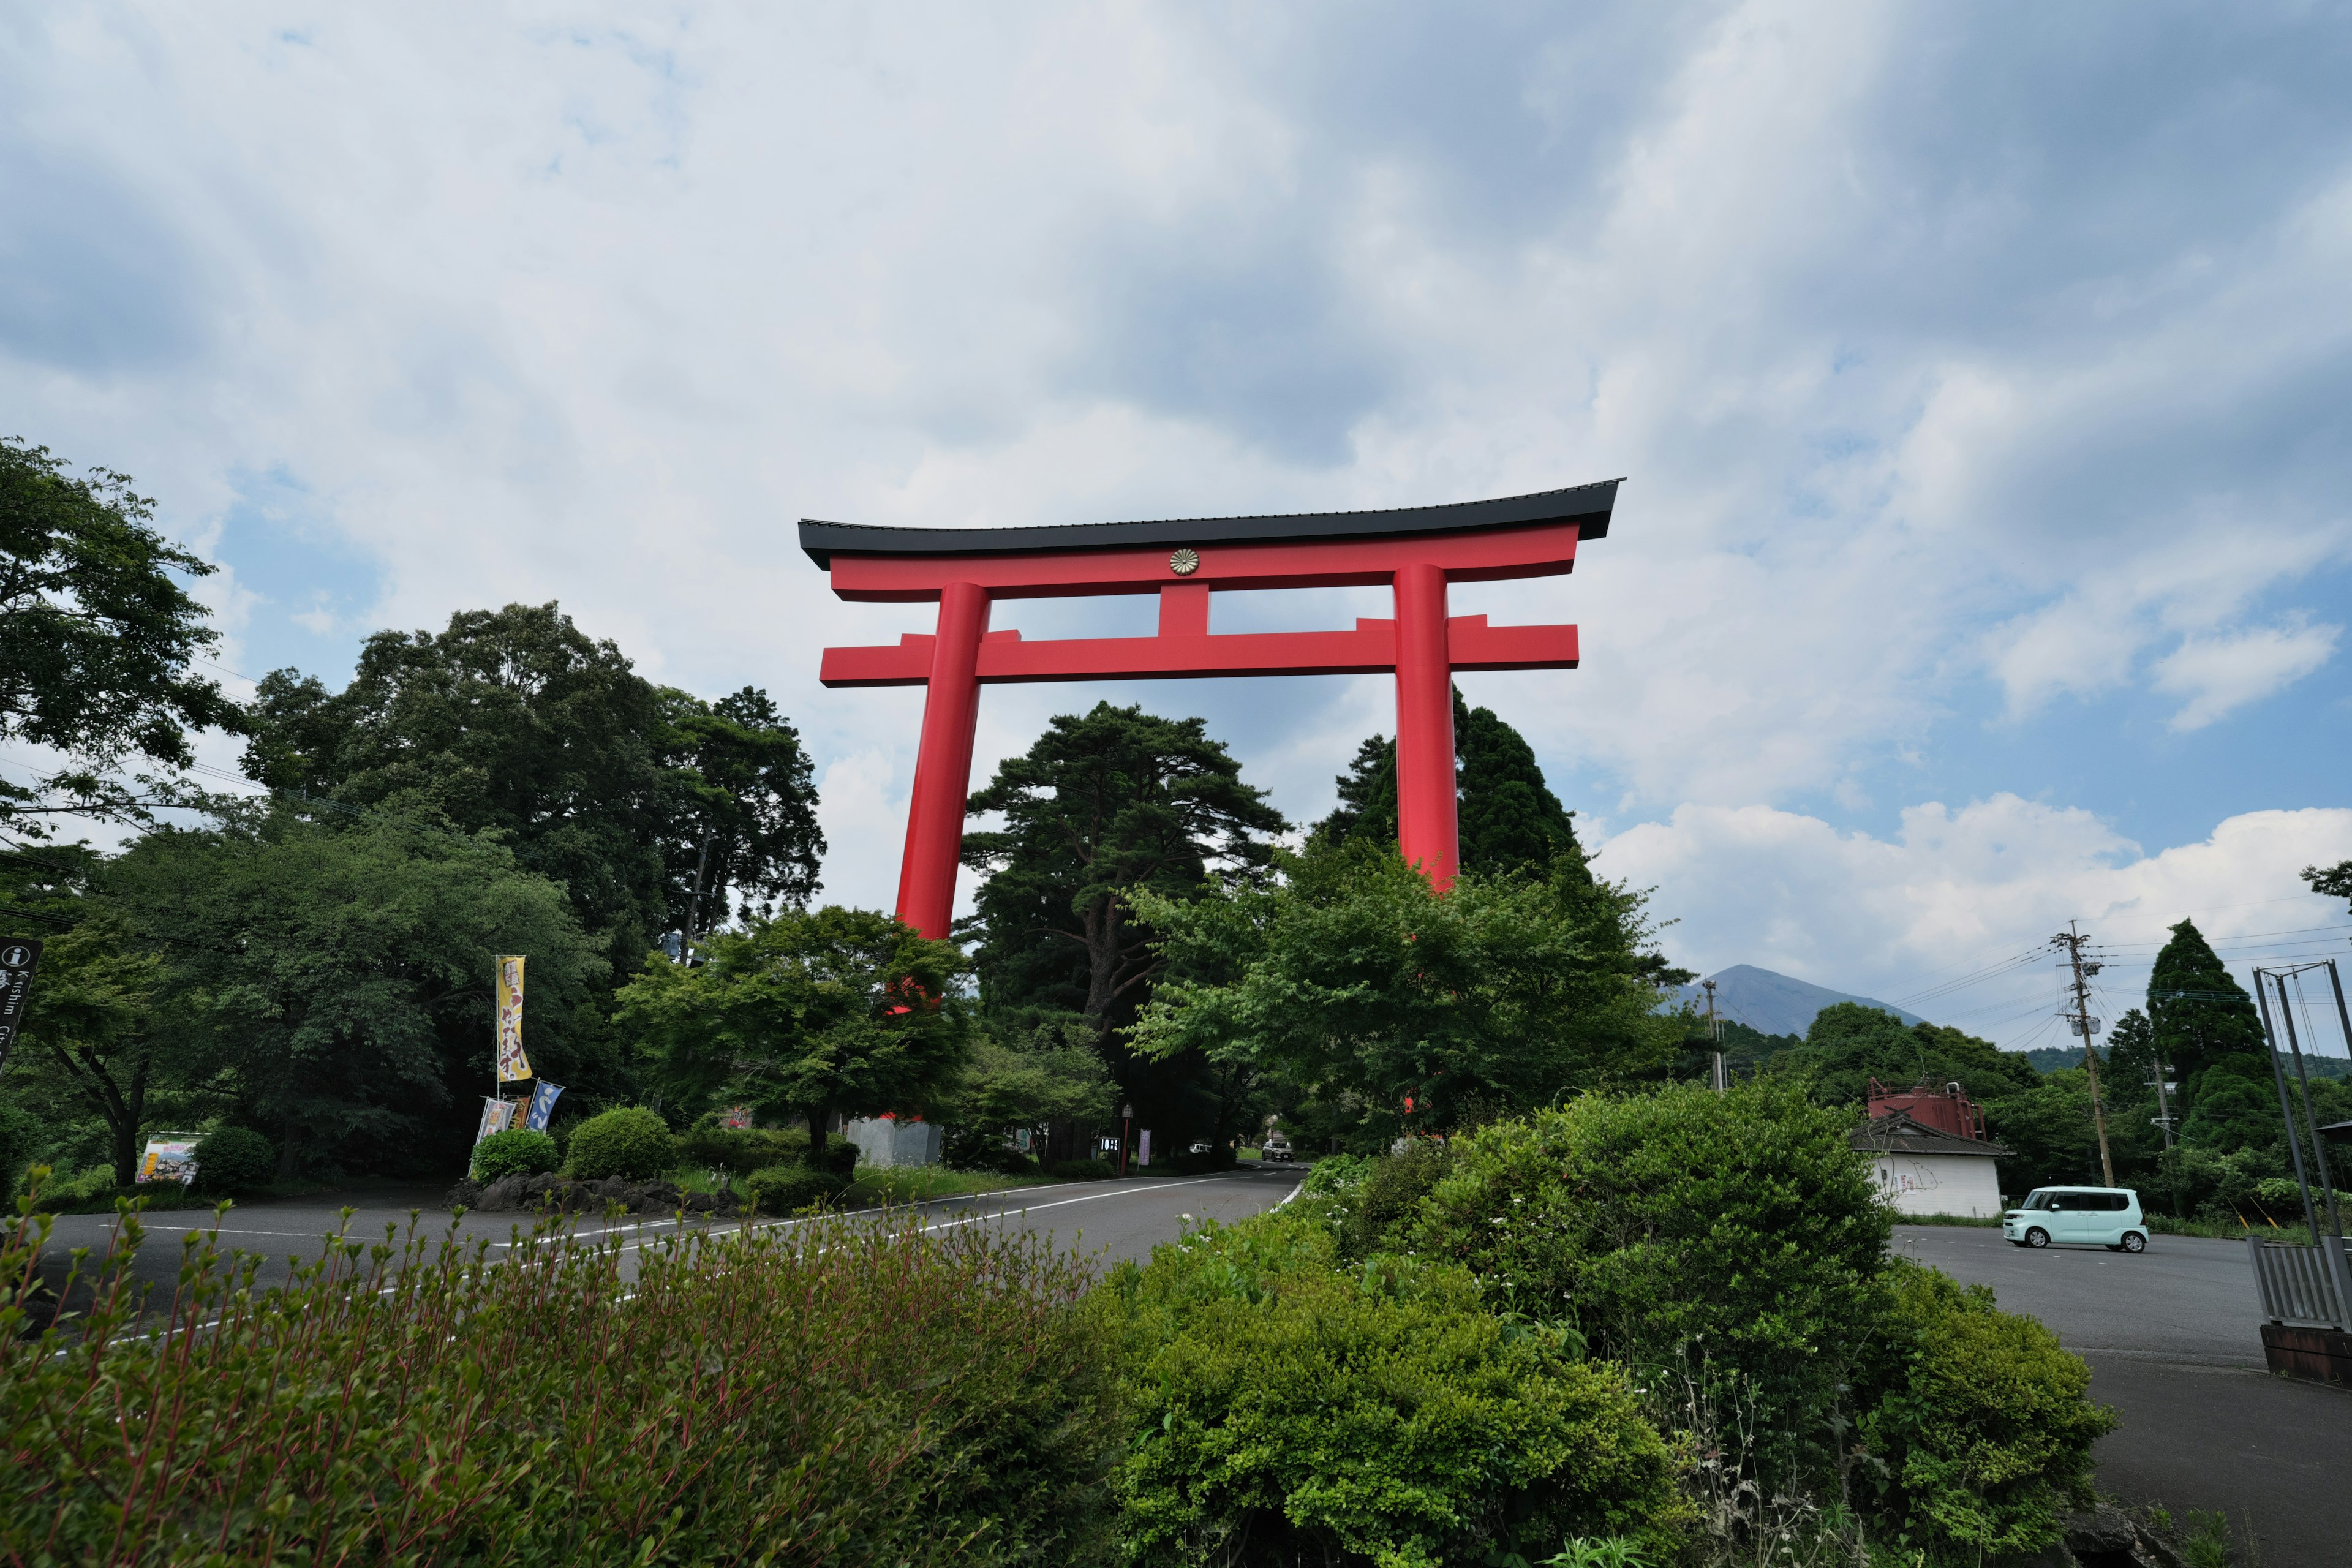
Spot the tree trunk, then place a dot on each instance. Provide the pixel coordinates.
(817, 1118)
(125, 1138)
(286, 1151)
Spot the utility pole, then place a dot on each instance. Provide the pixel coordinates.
(2085, 1026)
(2163, 1106)
(1714, 1039)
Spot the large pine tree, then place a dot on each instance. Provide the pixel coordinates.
(1116, 798)
(2205, 1024)
(1510, 820)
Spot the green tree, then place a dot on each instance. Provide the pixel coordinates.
(1028, 1073)
(93, 1013)
(1848, 1045)
(510, 721)
(1104, 805)
(342, 975)
(1509, 819)
(741, 813)
(2046, 1126)
(2203, 1023)
(1353, 976)
(806, 1013)
(2331, 881)
(96, 640)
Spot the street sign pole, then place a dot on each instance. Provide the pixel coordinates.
(18, 958)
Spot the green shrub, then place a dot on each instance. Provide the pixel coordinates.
(1984, 1440)
(1281, 1409)
(67, 1191)
(1085, 1170)
(234, 1160)
(1738, 1233)
(840, 1157)
(1387, 1202)
(998, 1161)
(843, 1392)
(20, 1139)
(1336, 1172)
(705, 1145)
(788, 1189)
(517, 1151)
(631, 1144)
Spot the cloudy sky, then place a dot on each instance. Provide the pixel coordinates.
(1981, 377)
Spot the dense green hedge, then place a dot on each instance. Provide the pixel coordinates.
(1982, 1437)
(518, 1151)
(626, 1141)
(844, 1393)
(1085, 1170)
(740, 1150)
(1737, 1232)
(788, 1189)
(1281, 1408)
(234, 1160)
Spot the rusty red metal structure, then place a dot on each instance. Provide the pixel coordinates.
(1416, 552)
(1947, 1110)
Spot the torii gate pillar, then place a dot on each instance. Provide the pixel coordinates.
(1415, 551)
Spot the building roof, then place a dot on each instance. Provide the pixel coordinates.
(1588, 506)
(1897, 1133)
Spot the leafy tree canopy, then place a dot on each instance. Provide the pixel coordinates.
(743, 813)
(1848, 1045)
(808, 1014)
(342, 976)
(1509, 819)
(1104, 805)
(96, 638)
(1353, 976)
(1030, 1072)
(517, 722)
(2331, 881)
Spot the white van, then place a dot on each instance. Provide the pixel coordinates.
(2079, 1216)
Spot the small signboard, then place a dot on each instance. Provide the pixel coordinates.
(19, 956)
(169, 1159)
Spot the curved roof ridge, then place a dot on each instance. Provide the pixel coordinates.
(1589, 505)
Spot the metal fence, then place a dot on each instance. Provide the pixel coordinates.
(2310, 1285)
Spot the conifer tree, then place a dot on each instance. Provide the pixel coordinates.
(1509, 818)
(2205, 1024)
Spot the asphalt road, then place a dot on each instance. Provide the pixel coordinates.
(2173, 1339)
(1109, 1220)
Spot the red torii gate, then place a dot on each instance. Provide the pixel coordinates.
(1417, 550)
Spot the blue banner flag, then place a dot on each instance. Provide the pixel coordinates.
(543, 1105)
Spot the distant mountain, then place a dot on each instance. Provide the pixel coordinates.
(1774, 1003)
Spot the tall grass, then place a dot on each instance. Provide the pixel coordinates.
(842, 1391)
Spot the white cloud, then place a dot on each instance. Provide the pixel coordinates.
(1959, 891)
(1893, 351)
(2222, 673)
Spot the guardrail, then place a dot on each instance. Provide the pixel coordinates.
(2307, 1286)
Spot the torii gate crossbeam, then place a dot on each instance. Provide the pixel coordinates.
(1416, 551)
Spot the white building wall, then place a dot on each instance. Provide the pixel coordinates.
(1964, 1186)
(887, 1142)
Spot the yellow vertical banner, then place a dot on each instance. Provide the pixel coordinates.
(513, 1065)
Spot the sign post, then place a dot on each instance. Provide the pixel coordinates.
(18, 958)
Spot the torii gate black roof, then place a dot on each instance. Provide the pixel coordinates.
(1588, 506)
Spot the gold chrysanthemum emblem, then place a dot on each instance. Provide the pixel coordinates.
(1184, 563)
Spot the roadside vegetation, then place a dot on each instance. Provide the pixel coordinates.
(1633, 1327)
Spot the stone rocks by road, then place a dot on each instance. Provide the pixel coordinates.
(570, 1197)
